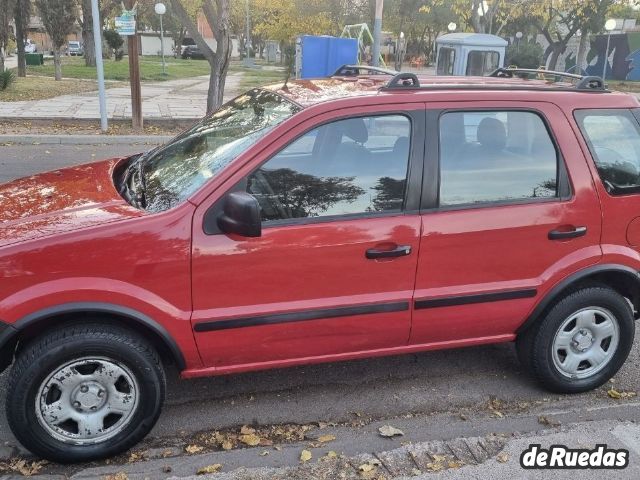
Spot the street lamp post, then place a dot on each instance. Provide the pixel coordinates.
(161, 10)
(518, 38)
(608, 26)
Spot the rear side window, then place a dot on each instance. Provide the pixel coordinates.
(480, 63)
(348, 167)
(446, 60)
(613, 137)
(496, 157)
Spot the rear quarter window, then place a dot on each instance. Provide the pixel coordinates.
(613, 138)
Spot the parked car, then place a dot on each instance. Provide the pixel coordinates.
(356, 216)
(74, 49)
(192, 51)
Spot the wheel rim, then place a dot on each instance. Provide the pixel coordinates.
(585, 342)
(87, 401)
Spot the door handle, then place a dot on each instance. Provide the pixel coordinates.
(399, 251)
(561, 235)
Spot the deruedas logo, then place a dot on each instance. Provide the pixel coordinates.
(560, 456)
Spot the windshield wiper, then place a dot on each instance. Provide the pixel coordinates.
(134, 188)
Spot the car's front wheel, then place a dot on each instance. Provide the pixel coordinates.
(582, 342)
(81, 393)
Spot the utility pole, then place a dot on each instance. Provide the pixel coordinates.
(97, 43)
(377, 33)
(134, 74)
(248, 61)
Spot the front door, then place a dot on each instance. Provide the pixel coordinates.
(334, 270)
(505, 221)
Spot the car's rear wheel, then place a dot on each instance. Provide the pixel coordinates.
(581, 343)
(81, 393)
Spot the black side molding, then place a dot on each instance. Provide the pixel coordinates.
(301, 316)
(476, 298)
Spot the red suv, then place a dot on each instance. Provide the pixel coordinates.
(323, 220)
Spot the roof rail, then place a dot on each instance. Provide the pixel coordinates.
(355, 70)
(583, 82)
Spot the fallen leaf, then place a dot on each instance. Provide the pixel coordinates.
(250, 439)
(227, 445)
(167, 469)
(264, 453)
(210, 469)
(502, 457)
(388, 431)
(326, 438)
(331, 454)
(305, 456)
(618, 395)
(366, 467)
(117, 476)
(247, 430)
(193, 449)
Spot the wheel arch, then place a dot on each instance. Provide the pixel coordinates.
(623, 279)
(44, 320)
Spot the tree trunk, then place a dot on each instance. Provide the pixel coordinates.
(20, 38)
(87, 34)
(583, 50)
(57, 62)
(1, 61)
(218, 77)
(557, 50)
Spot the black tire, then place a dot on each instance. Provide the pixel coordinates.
(43, 356)
(535, 346)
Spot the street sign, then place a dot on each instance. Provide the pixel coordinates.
(126, 25)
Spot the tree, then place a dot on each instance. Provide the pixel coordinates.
(86, 21)
(305, 195)
(216, 13)
(59, 18)
(22, 15)
(6, 9)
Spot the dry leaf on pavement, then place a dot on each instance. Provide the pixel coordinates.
(326, 438)
(193, 449)
(210, 469)
(388, 431)
(305, 456)
(250, 439)
(502, 457)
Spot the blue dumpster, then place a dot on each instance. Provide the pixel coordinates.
(318, 57)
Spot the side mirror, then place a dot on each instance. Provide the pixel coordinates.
(241, 215)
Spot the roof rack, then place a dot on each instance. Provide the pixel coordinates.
(583, 82)
(355, 70)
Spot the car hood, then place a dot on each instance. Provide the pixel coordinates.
(61, 201)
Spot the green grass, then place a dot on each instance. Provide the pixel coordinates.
(150, 69)
(40, 88)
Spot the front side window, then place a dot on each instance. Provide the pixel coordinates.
(495, 156)
(613, 137)
(352, 166)
(480, 63)
(174, 172)
(446, 60)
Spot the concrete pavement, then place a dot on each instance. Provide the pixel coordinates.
(176, 99)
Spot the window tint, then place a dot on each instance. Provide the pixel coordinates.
(346, 167)
(480, 63)
(614, 141)
(446, 59)
(495, 157)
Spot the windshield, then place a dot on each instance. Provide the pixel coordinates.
(174, 172)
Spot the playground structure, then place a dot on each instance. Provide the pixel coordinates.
(361, 32)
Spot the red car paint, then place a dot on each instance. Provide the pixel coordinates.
(68, 240)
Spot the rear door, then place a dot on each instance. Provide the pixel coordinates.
(334, 270)
(509, 209)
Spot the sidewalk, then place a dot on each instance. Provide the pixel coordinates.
(176, 99)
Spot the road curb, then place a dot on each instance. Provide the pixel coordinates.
(83, 139)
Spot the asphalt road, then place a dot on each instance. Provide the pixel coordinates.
(422, 384)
